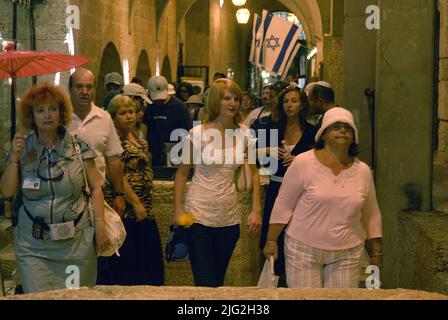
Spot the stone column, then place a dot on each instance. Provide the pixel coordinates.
(359, 69)
(333, 50)
(404, 95)
(442, 152)
(23, 43)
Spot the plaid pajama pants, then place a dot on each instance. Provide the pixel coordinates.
(309, 267)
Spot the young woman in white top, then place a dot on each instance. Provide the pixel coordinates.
(328, 202)
(212, 196)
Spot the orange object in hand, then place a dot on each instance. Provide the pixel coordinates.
(186, 219)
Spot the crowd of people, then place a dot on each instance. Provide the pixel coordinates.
(320, 210)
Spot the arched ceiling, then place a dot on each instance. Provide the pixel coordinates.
(309, 14)
(307, 11)
(160, 5)
(182, 7)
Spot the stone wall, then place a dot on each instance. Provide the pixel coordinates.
(333, 64)
(197, 34)
(23, 39)
(359, 70)
(423, 251)
(403, 116)
(224, 45)
(442, 152)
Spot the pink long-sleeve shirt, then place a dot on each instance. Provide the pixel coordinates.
(326, 211)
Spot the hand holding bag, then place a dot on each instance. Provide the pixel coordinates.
(268, 279)
(243, 175)
(113, 224)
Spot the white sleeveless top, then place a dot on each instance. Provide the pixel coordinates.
(212, 196)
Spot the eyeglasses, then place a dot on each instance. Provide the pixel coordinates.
(59, 172)
(339, 125)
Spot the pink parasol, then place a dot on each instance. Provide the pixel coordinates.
(15, 64)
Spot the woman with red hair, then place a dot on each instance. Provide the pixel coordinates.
(54, 230)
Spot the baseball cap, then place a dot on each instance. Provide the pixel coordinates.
(113, 77)
(134, 89)
(158, 88)
(194, 99)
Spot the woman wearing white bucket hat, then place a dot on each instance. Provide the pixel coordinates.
(328, 202)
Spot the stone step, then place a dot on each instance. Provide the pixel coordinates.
(5, 223)
(8, 261)
(7, 253)
(6, 231)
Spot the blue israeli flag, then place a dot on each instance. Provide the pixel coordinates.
(279, 43)
(256, 39)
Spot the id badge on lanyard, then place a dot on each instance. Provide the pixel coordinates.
(31, 183)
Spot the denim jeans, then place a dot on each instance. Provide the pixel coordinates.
(210, 250)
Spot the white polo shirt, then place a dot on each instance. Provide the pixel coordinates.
(98, 131)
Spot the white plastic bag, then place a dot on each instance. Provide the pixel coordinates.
(268, 279)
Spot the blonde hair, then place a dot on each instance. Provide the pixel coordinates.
(118, 101)
(44, 94)
(216, 94)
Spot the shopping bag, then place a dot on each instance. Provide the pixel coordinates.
(268, 279)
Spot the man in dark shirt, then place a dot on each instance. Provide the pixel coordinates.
(321, 99)
(165, 115)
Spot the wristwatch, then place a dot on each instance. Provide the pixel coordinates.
(118, 194)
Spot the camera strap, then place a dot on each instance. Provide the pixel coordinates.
(45, 226)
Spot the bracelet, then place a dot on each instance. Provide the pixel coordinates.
(376, 254)
(14, 163)
(118, 194)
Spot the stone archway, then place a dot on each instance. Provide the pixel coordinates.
(166, 69)
(182, 7)
(308, 12)
(110, 62)
(160, 6)
(143, 68)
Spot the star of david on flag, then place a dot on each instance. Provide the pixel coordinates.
(278, 42)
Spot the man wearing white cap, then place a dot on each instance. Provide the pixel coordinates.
(328, 200)
(136, 91)
(320, 96)
(165, 115)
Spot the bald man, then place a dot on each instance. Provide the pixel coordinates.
(95, 126)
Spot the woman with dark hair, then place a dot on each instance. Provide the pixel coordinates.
(328, 203)
(295, 135)
(54, 230)
(184, 91)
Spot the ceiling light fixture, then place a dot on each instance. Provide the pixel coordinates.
(243, 15)
(239, 3)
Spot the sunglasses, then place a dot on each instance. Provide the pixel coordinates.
(339, 125)
(59, 172)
